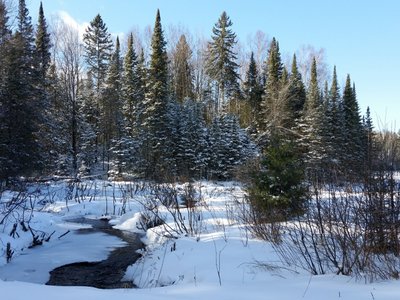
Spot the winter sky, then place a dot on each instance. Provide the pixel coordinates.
(360, 37)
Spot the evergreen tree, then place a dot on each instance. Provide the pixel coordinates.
(292, 97)
(20, 94)
(312, 128)
(182, 71)
(192, 144)
(228, 145)
(142, 78)
(297, 91)
(313, 99)
(271, 107)
(334, 126)
(98, 48)
(89, 114)
(252, 90)
(131, 150)
(112, 98)
(98, 51)
(368, 141)
(57, 129)
(353, 130)
(277, 191)
(5, 31)
(43, 45)
(112, 119)
(221, 63)
(218, 166)
(47, 131)
(156, 119)
(5, 104)
(129, 88)
(133, 90)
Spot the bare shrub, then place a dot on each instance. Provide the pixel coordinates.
(179, 204)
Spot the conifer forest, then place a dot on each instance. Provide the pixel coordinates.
(73, 107)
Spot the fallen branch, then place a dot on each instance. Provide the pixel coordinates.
(65, 233)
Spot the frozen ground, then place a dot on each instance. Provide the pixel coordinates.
(216, 261)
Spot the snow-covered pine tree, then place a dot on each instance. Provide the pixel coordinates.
(368, 141)
(129, 89)
(89, 115)
(218, 164)
(191, 155)
(21, 114)
(297, 92)
(221, 63)
(269, 116)
(252, 93)
(112, 98)
(112, 118)
(42, 45)
(98, 50)
(311, 127)
(228, 146)
(127, 157)
(313, 96)
(334, 130)
(47, 129)
(353, 130)
(155, 115)
(5, 37)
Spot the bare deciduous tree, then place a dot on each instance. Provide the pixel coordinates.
(68, 57)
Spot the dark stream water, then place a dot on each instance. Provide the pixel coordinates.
(105, 274)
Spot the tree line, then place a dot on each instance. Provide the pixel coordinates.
(84, 107)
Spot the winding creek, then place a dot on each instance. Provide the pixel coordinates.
(105, 274)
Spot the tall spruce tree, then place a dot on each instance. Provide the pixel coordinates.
(192, 156)
(5, 104)
(252, 91)
(368, 141)
(88, 111)
(98, 51)
(312, 127)
(43, 45)
(112, 98)
(156, 119)
(221, 63)
(130, 87)
(98, 48)
(271, 107)
(292, 97)
(313, 99)
(5, 31)
(23, 115)
(47, 131)
(334, 129)
(142, 78)
(353, 130)
(297, 91)
(277, 190)
(19, 98)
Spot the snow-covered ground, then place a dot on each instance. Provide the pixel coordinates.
(216, 260)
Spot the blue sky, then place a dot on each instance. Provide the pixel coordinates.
(360, 37)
